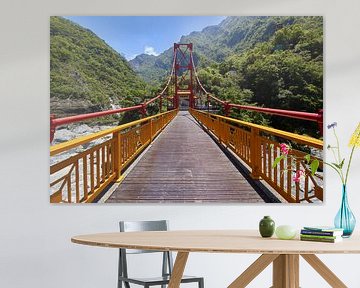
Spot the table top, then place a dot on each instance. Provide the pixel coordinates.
(217, 241)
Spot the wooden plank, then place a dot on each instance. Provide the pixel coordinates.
(232, 241)
(281, 171)
(98, 190)
(253, 270)
(98, 168)
(297, 184)
(178, 269)
(324, 271)
(286, 271)
(103, 164)
(184, 165)
(279, 268)
(77, 182)
(85, 177)
(293, 270)
(92, 173)
(68, 182)
(275, 169)
(108, 163)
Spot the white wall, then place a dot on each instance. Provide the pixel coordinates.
(35, 248)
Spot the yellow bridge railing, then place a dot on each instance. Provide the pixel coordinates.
(84, 175)
(258, 146)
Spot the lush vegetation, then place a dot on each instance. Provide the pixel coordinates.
(274, 62)
(285, 72)
(153, 69)
(86, 74)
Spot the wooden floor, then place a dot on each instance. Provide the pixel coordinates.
(184, 165)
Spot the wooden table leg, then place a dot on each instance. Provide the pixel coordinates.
(324, 271)
(178, 269)
(253, 270)
(286, 271)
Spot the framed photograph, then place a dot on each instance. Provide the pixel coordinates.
(186, 109)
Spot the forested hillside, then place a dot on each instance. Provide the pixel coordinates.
(285, 72)
(265, 61)
(274, 62)
(86, 74)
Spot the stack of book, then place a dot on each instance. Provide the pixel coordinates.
(321, 234)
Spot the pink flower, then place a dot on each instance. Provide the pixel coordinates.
(284, 148)
(299, 174)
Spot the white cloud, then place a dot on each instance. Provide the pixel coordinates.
(150, 51)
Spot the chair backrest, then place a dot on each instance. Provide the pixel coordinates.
(133, 226)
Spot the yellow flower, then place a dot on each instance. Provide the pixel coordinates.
(355, 138)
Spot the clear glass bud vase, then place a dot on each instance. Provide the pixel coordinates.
(345, 219)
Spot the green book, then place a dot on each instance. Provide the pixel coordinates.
(319, 236)
(326, 240)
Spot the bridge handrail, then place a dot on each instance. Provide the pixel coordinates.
(315, 117)
(54, 122)
(301, 139)
(255, 145)
(83, 176)
(61, 147)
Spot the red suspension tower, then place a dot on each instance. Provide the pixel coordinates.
(183, 74)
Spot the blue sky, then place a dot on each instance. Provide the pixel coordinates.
(133, 35)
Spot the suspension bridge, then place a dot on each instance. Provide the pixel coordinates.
(184, 153)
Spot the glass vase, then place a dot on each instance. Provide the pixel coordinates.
(345, 219)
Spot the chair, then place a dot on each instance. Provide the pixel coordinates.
(167, 265)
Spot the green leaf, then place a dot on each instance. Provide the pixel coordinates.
(277, 160)
(314, 166)
(342, 164)
(307, 158)
(339, 166)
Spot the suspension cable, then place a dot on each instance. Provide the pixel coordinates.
(315, 117)
(170, 77)
(196, 75)
(54, 122)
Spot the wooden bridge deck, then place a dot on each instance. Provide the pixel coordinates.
(184, 165)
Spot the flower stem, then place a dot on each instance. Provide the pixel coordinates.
(334, 154)
(337, 171)
(348, 167)
(340, 171)
(338, 145)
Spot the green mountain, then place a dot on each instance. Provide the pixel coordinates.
(270, 61)
(153, 69)
(214, 44)
(211, 45)
(283, 69)
(86, 74)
